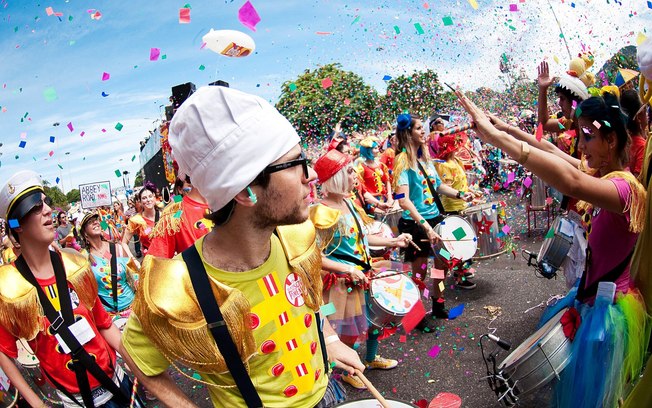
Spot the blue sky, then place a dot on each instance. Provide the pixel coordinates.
(66, 57)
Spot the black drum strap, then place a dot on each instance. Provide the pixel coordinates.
(435, 196)
(215, 322)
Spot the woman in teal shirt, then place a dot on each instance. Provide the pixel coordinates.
(118, 305)
(414, 174)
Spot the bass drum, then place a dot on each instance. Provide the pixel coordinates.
(373, 403)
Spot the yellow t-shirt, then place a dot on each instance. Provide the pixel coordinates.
(288, 368)
(452, 173)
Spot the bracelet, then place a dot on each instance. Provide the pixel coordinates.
(525, 153)
(460, 193)
(331, 339)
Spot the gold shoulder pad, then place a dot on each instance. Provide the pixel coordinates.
(167, 224)
(169, 313)
(324, 217)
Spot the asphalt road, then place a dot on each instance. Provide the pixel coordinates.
(503, 282)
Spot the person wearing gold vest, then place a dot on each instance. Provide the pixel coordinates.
(241, 305)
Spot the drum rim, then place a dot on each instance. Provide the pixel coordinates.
(480, 207)
(394, 272)
(446, 244)
(555, 327)
(343, 404)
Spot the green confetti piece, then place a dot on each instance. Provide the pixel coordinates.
(177, 214)
(133, 158)
(356, 20)
(419, 28)
(118, 126)
(196, 376)
(202, 67)
(293, 87)
(118, 173)
(332, 364)
(69, 18)
(578, 112)
(448, 21)
(50, 94)
(60, 166)
(178, 198)
(550, 233)
(187, 5)
(327, 309)
(164, 56)
(607, 124)
(397, 30)
(459, 233)
(104, 225)
(443, 252)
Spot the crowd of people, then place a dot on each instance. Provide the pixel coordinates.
(259, 273)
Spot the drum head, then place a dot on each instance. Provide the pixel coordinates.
(459, 237)
(395, 294)
(378, 228)
(373, 403)
(26, 356)
(561, 226)
(521, 351)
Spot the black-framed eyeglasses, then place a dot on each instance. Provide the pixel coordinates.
(301, 161)
(38, 208)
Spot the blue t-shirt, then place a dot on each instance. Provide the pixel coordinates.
(419, 192)
(102, 269)
(348, 243)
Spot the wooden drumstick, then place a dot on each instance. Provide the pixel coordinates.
(372, 389)
(451, 240)
(414, 245)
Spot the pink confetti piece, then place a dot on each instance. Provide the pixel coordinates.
(347, 102)
(434, 351)
(426, 293)
(527, 182)
(248, 16)
(511, 177)
(154, 53)
(539, 134)
(51, 153)
(70, 126)
(513, 7)
(49, 11)
(506, 229)
(184, 16)
(23, 135)
(597, 124)
(326, 83)
(106, 76)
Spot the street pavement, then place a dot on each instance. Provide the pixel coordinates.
(505, 285)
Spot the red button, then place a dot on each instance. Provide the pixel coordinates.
(268, 346)
(277, 369)
(317, 374)
(290, 391)
(313, 347)
(307, 320)
(254, 320)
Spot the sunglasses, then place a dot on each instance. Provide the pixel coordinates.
(38, 207)
(301, 161)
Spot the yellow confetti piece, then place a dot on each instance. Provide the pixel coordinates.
(640, 38)
(554, 57)
(473, 4)
(441, 287)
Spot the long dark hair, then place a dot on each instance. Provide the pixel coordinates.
(631, 103)
(606, 111)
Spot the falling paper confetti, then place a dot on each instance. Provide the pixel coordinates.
(106, 76)
(118, 126)
(154, 53)
(326, 83)
(184, 16)
(248, 16)
(50, 94)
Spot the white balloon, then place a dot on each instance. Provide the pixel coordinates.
(230, 43)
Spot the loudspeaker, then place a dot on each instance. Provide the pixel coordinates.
(181, 92)
(219, 82)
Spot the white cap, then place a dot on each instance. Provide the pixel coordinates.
(223, 138)
(18, 195)
(574, 85)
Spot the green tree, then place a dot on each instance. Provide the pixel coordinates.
(59, 199)
(419, 94)
(73, 195)
(317, 100)
(138, 181)
(624, 58)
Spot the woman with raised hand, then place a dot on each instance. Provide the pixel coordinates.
(614, 206)
(415, 178)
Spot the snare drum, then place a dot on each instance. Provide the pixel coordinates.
(390, 297)
(555, 249)
(539, 359)
(8, 394)
(485, 221)
(29, 367)
(380, 229)
(392, 216)
(373, 403)
(458, 238)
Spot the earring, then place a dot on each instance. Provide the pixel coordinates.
(252, 195)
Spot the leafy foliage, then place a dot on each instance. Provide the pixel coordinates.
(419, 94)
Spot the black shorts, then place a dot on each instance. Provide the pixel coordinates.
(418, 234)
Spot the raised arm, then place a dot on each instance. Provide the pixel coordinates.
(544, 80)
(551, 169)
